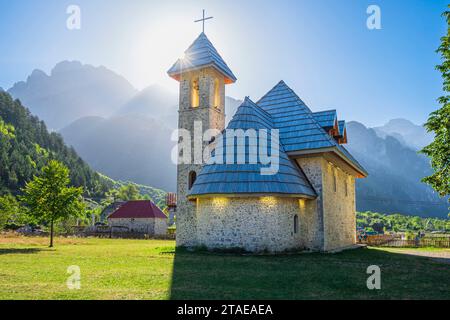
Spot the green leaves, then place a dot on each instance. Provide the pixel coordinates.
(49, 197)
(6, 130)
(439, 123)
(11, 213)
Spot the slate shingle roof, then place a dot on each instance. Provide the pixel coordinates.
(299, 130)
(326, 119)
(246, 178)
(201, 54)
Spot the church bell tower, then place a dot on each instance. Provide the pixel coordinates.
(202, 75)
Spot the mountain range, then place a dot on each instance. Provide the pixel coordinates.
(125, 133)
(406, 132)
(395, 172)
(71, 91)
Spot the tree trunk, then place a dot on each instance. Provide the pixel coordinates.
(51, 234)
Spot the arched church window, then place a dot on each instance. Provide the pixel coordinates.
(195, 93)
(346, 187)
(192, 178)
(216, 93)
(296, 224)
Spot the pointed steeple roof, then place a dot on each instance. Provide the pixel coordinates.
(300, 130)
(250, 116)
(246, 178)
(199, 55)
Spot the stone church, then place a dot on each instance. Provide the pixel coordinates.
(309, 203)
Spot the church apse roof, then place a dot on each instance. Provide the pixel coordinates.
(199, 55)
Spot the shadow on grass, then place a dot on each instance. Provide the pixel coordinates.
(213, 276)
(21, 251)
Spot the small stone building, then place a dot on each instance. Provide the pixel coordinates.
(140, 217)
(308, 203)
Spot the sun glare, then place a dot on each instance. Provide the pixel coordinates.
(156, 47)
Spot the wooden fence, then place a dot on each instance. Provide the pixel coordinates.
(398, 242)
(120, 233)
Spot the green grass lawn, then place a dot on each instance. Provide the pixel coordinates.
(153, 269)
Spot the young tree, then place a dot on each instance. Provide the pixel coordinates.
(439, 123)
(49, 197)
(10, 211)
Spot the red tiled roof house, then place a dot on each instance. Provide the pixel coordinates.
(140, 216)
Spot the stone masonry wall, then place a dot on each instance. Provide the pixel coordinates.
(212, 117)
(339, 208)
(149, 226)
(335, 218)
(255, 224)
(160, 227)
(313, 228)
(135, 225)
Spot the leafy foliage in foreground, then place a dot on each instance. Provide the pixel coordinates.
(26, 146)
(397, 222)
(439, 124)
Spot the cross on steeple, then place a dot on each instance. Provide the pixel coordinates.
(203, 20)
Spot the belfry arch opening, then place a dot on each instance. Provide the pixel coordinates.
(195, 93)
(217, 93)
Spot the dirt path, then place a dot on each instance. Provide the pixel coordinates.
(438, 255)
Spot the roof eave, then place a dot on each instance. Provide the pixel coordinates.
(361, 171)
(358, 168)
(251, 195)
(229, 78)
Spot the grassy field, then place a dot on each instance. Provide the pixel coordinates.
(153, 269)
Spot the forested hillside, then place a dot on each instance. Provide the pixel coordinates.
(26, 146)
(371, 221)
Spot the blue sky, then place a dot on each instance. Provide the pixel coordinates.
(321, 48)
